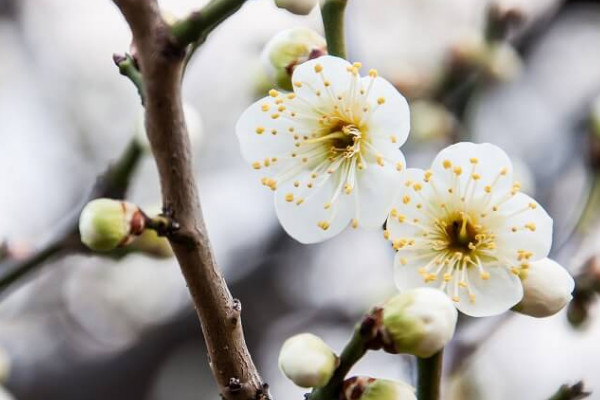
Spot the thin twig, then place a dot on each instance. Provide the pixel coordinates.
(353, 351)
(113, 184)
(571, 392)
(161, 57)
(195, 28)
(192, 31)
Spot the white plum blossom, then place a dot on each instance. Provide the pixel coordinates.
(464, 227)
(329, 150)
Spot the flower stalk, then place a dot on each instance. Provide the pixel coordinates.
(430, 377)
(332, 12)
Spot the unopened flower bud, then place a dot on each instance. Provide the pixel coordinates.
(105, 224)
(547, 288)
(498, 61)
(193, 120)
(307, 360)
(430, 121)
(365, 388)
(288, 49)
(419, 321)
(299, 7)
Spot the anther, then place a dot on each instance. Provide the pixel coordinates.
(323, 225)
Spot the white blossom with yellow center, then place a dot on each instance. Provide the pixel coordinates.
(463, 227)
(329, 150)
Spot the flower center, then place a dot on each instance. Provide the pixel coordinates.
(343, 141)
(462, 234)
(348, 143)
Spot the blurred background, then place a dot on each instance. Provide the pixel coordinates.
(90, 327)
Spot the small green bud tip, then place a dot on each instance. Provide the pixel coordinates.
(547, 289)
(420, 321)
(365, 388)
(307, 361)
(152, 245)
(105, 224)
(298, 7)
(288, 49)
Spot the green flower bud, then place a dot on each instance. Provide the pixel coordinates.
(365, 388)
(105, 224)
(288, 49)
(420, 321)
(307, 360)
(299, 7)
(547, 288)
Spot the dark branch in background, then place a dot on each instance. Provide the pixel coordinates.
(571, 392)
(585, 295)
(113, 184)
(332, 12)
(463, 76)
(161, 52)
(500, 21)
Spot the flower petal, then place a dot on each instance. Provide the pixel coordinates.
(301, 221)
(488, 163)
(262, 136)
(525, 226)
(311, 77)
(376, 189)
(407, 264)
(413, 210)
(493, 296)
(389, 115)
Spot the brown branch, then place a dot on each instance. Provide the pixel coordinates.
(161, 61)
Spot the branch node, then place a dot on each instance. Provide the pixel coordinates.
(234, 385)
(237, 305)
(234, 313)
